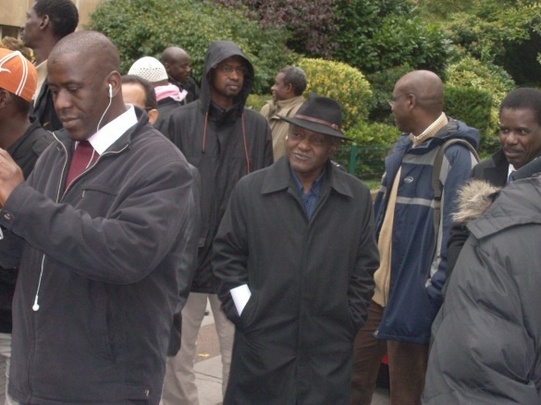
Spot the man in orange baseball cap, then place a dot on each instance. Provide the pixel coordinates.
(17, 74)
(24, 141)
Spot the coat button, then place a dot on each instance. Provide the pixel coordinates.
(8, 216)
(147, 393)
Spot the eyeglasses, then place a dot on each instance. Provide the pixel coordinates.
(393, 100)
(228, 70)
(313, 139)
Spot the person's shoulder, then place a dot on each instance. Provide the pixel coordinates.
(255, 177)
(39, 138)
(254, 116)
(266, 108)
(185, 111)
(150, 138)
(483, 164)
(460, 129)
(357, 186)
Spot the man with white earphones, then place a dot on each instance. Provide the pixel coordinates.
(98, 233)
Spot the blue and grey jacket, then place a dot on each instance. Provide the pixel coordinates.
(418, 257)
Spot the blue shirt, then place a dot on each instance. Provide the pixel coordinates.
(310, 198)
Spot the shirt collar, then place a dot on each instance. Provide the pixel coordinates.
(315, 185)
(109, 133)
(431, 130)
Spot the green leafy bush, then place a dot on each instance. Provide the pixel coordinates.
(382, 88)
(377, 35)
(371, 142)
(473, 106)
(256, 101)
(146, 27)
(341, 82)
(470, 72)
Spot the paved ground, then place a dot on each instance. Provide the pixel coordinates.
(209, 365)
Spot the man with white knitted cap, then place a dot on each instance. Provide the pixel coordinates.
(24, 141)
(168, 95)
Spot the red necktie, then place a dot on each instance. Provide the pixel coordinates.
(82, 158)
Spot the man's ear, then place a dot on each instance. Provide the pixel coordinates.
(153, 115)
(411, 101)
(44, 23)
(290, 88)
(114, 79)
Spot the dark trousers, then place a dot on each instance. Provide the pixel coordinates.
(407, 364)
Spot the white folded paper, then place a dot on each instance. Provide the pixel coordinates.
(241, 295)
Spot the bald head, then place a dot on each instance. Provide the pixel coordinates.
(177, 63)
(83, 75)
(173, 53)
(427, 88)
(96, 46)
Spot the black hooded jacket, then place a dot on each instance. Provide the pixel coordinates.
(224, 145)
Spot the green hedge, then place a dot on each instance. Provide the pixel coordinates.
(470, 105)
(146, 27)
(341, 82)
(473, 106)
(370, 142)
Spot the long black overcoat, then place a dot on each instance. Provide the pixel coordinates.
(310, 279)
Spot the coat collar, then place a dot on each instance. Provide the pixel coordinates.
(278, 177)
(124, 140)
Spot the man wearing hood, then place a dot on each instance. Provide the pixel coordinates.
(225, 141)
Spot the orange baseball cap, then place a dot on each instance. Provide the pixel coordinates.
(17, 74)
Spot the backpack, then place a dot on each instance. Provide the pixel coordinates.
(436, 170)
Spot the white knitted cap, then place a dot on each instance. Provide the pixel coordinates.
(149, 68)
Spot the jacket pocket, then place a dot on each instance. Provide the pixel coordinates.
(248, 315)
(96, 200)
(98, 324)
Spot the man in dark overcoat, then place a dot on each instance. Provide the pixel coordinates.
(294, 255)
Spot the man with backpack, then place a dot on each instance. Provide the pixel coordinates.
(412, 240)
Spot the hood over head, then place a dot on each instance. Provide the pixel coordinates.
(216, 53)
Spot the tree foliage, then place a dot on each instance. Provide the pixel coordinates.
(311, 24)
(501, 32)
(147, 27)
(377, 35)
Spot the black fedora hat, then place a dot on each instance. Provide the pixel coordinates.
(319, 114)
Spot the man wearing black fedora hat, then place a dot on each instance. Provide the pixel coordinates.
(294, 255)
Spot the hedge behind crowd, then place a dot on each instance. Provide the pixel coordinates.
(342, 82)
(146, 27)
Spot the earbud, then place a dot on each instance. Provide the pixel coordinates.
(110, 90)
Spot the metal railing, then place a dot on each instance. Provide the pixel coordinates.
(363, 161)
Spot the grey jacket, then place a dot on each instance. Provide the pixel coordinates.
(487, 337)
